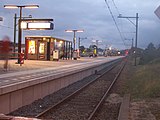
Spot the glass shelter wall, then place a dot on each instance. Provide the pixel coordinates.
(42, 48)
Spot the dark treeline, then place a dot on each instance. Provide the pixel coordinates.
(149, 54)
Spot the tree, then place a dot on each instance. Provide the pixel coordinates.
(151, 47)
(149, 54)
(158, 47)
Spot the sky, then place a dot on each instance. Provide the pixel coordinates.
(93, 17)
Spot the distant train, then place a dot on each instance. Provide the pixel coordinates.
(93, 51)
(112, 52)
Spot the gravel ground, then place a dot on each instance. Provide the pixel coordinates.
(110, 108)
(141, 109)
(82, 104)
(154, 107)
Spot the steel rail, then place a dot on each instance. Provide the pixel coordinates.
(76, 92)
(106, 93)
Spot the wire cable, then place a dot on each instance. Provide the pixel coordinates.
(115, 22)
(115, 6)
(6, 26)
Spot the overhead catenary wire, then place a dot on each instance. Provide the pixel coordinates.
(118, 14)
(6, 27)
(114, 21)
(122, 38)
(115, 6)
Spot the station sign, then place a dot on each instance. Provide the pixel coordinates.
(37, 24)
(157, 12)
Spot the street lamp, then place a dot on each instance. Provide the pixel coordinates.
(19, 24)
(136, 25)
(74, 37)
(15, 28)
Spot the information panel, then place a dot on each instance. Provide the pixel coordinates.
(31, 49)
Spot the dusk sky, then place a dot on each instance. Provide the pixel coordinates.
(93, 17)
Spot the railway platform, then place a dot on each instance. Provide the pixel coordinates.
(21, 85)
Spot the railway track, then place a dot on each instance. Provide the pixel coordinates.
(86, 101)
(100, 112)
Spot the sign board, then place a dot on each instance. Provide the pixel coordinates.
(32, 45)
(56, 55)
(41, 48)
(40, 25)
(37, 24)
(157, 12)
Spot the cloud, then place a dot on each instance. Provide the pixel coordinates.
(92, 16)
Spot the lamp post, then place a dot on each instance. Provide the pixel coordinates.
(131, 49)
(15, 28)
(79, 41)
(136, 25)
(130, 40)
(19, 24)
(74, 36)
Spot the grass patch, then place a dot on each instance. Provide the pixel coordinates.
(145, 82)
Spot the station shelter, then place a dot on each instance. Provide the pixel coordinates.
(43, 47)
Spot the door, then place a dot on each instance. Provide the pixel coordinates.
(42, 50)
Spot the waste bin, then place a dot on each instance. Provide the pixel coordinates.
(75, 55)
(56, 55)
